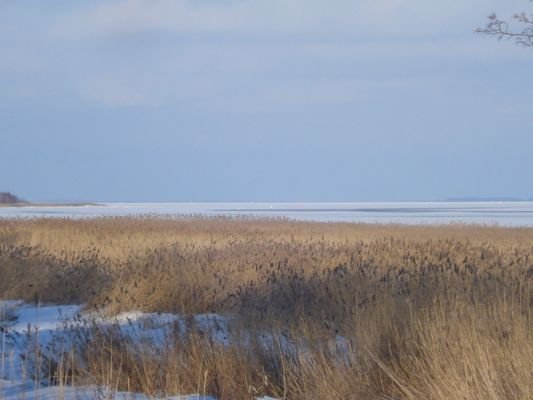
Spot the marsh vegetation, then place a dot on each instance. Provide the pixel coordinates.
(317, 310)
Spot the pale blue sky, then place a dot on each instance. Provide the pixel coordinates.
(248, 100)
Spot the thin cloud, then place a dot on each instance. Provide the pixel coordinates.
(281, 54)
(367, 17)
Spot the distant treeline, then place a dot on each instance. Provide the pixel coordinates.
(8, 198)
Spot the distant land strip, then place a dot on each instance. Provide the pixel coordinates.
(8, 199)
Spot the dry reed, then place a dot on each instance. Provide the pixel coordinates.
(430, 312)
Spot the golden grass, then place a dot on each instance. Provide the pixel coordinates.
(430, 312)
(465, 354)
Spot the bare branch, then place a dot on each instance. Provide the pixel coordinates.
(520, 31)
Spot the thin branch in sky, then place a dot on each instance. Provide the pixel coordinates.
(521, 31)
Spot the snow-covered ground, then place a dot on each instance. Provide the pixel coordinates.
(12, 390)
(490, 213)
(24, 326)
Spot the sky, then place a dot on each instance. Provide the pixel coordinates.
(262, 100)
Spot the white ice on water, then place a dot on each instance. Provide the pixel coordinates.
(519, 213)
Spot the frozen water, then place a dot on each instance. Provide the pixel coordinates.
(486, 213)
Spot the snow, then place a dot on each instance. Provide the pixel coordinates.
(10, 390)
(45, 318)
(47, 325)
(53, 328)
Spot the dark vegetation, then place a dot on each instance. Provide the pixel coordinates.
(8, 198)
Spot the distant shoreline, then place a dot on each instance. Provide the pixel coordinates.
(487, 200)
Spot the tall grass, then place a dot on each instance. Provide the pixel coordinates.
(353, 311)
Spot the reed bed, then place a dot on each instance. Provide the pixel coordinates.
(428, 312)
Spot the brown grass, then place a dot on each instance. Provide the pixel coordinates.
(430, 312)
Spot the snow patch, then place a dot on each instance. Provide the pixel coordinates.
(51, 329)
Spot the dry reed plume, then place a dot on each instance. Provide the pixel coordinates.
(429, 312)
